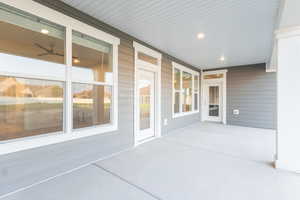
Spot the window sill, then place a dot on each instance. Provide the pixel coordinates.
(40, 141)
(177, 115)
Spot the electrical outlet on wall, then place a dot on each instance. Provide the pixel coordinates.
(165, 121)
(236, 112)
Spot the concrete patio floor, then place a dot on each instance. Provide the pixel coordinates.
(201, 161)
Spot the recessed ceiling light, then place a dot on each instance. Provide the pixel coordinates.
(44, 31)
(222, 58)
(200, 36)
(76, 60)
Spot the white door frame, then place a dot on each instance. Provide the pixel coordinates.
(223, 82)
(140, 64)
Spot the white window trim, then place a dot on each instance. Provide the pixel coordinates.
(150, 52)
(68, 134)
(224, 91)
(157, 69)
(194, 73)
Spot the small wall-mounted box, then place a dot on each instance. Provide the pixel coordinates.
(236, 112)
(165, 122)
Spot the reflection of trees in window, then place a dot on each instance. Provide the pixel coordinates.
(30, 107)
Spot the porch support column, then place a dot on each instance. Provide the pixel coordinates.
(288, 99)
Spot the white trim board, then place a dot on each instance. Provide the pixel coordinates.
(287, 32)
(150, 52)
(157, 70)
(223, 81)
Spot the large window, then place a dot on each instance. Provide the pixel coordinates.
(51, 85)
(32, 78)
(185, 90)
(92, 81)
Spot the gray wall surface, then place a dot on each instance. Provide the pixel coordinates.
(21, 169)
(253, 91)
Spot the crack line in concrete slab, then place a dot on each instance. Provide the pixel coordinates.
(60, 174)
(126, 181)
(217, 152)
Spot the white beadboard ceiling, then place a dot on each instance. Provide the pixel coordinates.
(240, 30)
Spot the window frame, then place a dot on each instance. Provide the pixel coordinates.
(70, 24)
(95, 83)
(194, 73)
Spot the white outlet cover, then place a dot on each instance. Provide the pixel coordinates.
(236, 112)
(165, 122)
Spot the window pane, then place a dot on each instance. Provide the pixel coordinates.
(145, 103)
(214, 101)
(176, 102)
(32, 37)
(30, 107)
(91, 105)
(213, 76)
(187, 92)
(147, 58)
(92, 59)
(176, 79)
(196, 101)
(196, 83)
(196, 90)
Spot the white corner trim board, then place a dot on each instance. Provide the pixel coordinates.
(288, 148)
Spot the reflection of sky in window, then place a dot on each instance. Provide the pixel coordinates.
(23, 65)
(82, 73)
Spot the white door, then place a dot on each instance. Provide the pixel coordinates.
(146, 105)
(213, 102)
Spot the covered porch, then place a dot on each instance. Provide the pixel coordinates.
(206, 160)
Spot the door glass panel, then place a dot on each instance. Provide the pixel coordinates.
(176, 102)
(214, 101)
(145, 105)
(196, 90)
